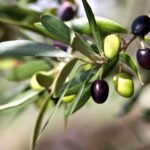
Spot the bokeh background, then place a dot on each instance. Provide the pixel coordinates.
(94, 127)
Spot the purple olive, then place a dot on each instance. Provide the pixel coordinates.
(99, 91)
(66, 11)
(141, 25)
(60, 45)
(143, 58)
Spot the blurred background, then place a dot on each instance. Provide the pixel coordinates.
(118, 124)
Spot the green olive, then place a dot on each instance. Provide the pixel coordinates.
(112, 45)
(123, 84)
(68, 99)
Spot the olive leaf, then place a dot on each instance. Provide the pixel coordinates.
(30, 48)
(44, 80)
(124, 57)
(86, 94)
(109, 66)
(39, 26)
(57, 28)
(27, 69)
(61, 78)
(80, 45)
(20, 100)
(93, 25)
(39, 128)
(147, 40)
(79, 94)
(105, 25)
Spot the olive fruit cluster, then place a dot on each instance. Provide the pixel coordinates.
(141, 27)
(67, 11)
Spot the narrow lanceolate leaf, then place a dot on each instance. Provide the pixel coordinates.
(38, 126)
(20, 100)
(86, 93)
(39, 26)
(29, 48)
(105, 25)
(27, 69)
(80, 45)
(78, 97)
(124, 57)
(93, 25)
(147, 40)
(57, 28)
(60, 80)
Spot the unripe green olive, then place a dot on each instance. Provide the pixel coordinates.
(68, 99)
(112, 45)
(123, 84)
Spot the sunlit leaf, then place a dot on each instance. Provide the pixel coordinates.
(147, 40)
(60, 80)
(20, 100)
(106, 26)
(29, 48)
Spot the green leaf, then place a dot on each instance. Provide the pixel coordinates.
(147, 40)
(29, 48)
(60, 80)
(78, 97)
(109, 66)
(106, 26)
(57, 28)
(20, 100)
(38, 126)
(80, 45)
(39, 26)
(124, 57)
(93, 25)
(27, 69)
(44, 80)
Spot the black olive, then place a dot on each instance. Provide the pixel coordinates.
(99, 91)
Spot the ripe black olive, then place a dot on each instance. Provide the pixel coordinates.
(66, 11)
(99, 91)
(143, 58)
(141, 25)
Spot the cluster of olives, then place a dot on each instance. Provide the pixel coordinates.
(123, 82)
(140, 27)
